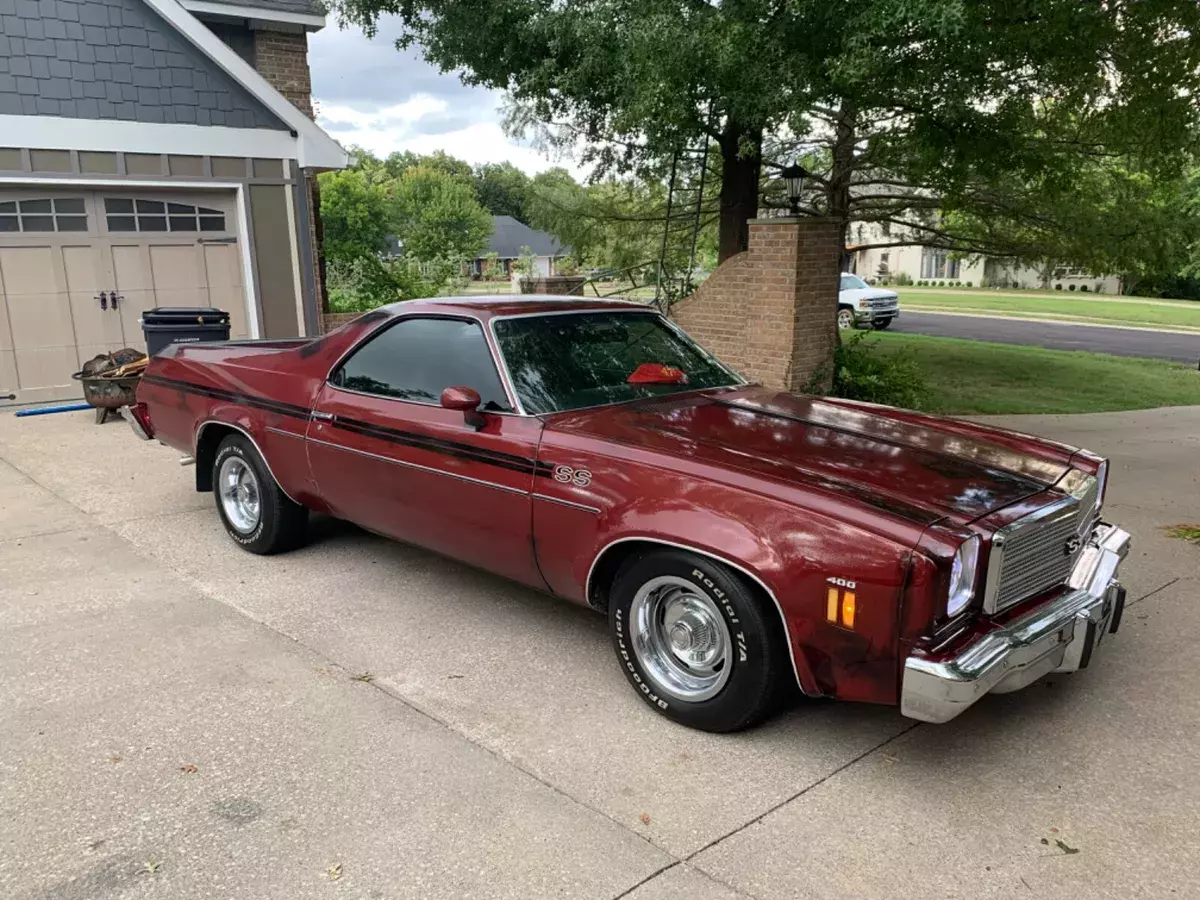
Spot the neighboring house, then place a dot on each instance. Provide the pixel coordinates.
(509, 237)
(159, 153)
(934, 264)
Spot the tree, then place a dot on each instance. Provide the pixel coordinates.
(354, 211)
(930, 94)
(437, 216)
(502, 189)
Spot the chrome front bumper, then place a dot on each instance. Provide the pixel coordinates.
(1057, 637)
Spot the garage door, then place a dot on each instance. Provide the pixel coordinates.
(78, 268)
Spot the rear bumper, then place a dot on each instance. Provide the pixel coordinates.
(1057, 637)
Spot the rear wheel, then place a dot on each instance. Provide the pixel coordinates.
(256, 512)
(845, 317)
(694, 640)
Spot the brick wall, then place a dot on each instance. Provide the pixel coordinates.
(330, 321)
(770, 312)
(282, 59)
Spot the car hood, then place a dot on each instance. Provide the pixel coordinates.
(921, 468)
(855, 294)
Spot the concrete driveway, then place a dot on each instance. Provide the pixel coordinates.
(361, 719)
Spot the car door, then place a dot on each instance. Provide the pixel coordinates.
(386, 455)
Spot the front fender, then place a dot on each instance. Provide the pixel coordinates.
(792, 550)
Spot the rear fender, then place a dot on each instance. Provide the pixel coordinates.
(212, 432)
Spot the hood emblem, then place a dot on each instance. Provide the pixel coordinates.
(1071, 547)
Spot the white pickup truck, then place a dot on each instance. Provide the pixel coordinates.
(860, 305)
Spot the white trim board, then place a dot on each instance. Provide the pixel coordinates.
(243, 215)
(254, 13)
(120, 136)
(315, 149)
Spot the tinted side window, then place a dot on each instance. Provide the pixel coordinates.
(417, 359)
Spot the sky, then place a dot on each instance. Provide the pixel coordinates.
(377, 97)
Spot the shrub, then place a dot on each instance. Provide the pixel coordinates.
(921, 284)
(861, 372)
(970, 284)
(1083, 287)
(902, 279)
(362, 284)
(1070, 287)
(1058, 287)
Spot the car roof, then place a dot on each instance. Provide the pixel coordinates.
(495, 305)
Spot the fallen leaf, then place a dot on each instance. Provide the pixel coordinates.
(189, 769)
(115, 758)
(1054, 831)
(334, 872)
(96, 845)
(1046, 842)
(890, 757)
(364, 677)
(454, 676)
(149, 868)
(645, 817)
(1065, 849)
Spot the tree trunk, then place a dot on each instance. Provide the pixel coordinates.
(739, 187)
(838, 192)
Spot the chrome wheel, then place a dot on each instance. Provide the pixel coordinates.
(845, 318)
(680, 638)
(240, 496)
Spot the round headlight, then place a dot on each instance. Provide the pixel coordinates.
(962, 576)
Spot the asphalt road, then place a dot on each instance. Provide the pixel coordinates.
(1065, 336)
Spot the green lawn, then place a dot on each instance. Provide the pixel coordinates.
(975, 377)
(1110, 310)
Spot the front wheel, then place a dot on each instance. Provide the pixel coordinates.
(845, 318)
(695, 641)
(256, 512)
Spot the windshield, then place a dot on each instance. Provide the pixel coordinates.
(561, 362)
(853, 283)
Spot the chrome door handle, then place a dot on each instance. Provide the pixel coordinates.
(323, 416)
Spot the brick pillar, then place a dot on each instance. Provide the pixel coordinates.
(771, 312)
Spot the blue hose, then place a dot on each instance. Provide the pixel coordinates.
(46, 410)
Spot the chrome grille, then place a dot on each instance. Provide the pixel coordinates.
(1034, 554)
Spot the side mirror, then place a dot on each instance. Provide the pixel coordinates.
(468, 401)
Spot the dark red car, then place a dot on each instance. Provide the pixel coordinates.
(741, 540)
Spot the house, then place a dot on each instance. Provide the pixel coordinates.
(509, 237)
(934, 264)
(152, 153)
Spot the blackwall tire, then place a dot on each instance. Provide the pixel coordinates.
(696, 641)
(256, 513)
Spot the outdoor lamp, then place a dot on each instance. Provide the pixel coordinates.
(793, 178)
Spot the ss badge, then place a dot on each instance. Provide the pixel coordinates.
(577, 477)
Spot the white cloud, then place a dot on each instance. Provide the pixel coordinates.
(376, 97)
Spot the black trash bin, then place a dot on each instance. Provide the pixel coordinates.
(183, 325)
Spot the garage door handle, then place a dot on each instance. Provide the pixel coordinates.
(113, 298)
(228, 240)
(103, 298)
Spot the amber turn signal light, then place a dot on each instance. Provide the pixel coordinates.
(840, 607)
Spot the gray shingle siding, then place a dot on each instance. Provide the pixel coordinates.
(120, 57)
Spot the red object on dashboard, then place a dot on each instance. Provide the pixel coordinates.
(657, 373)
